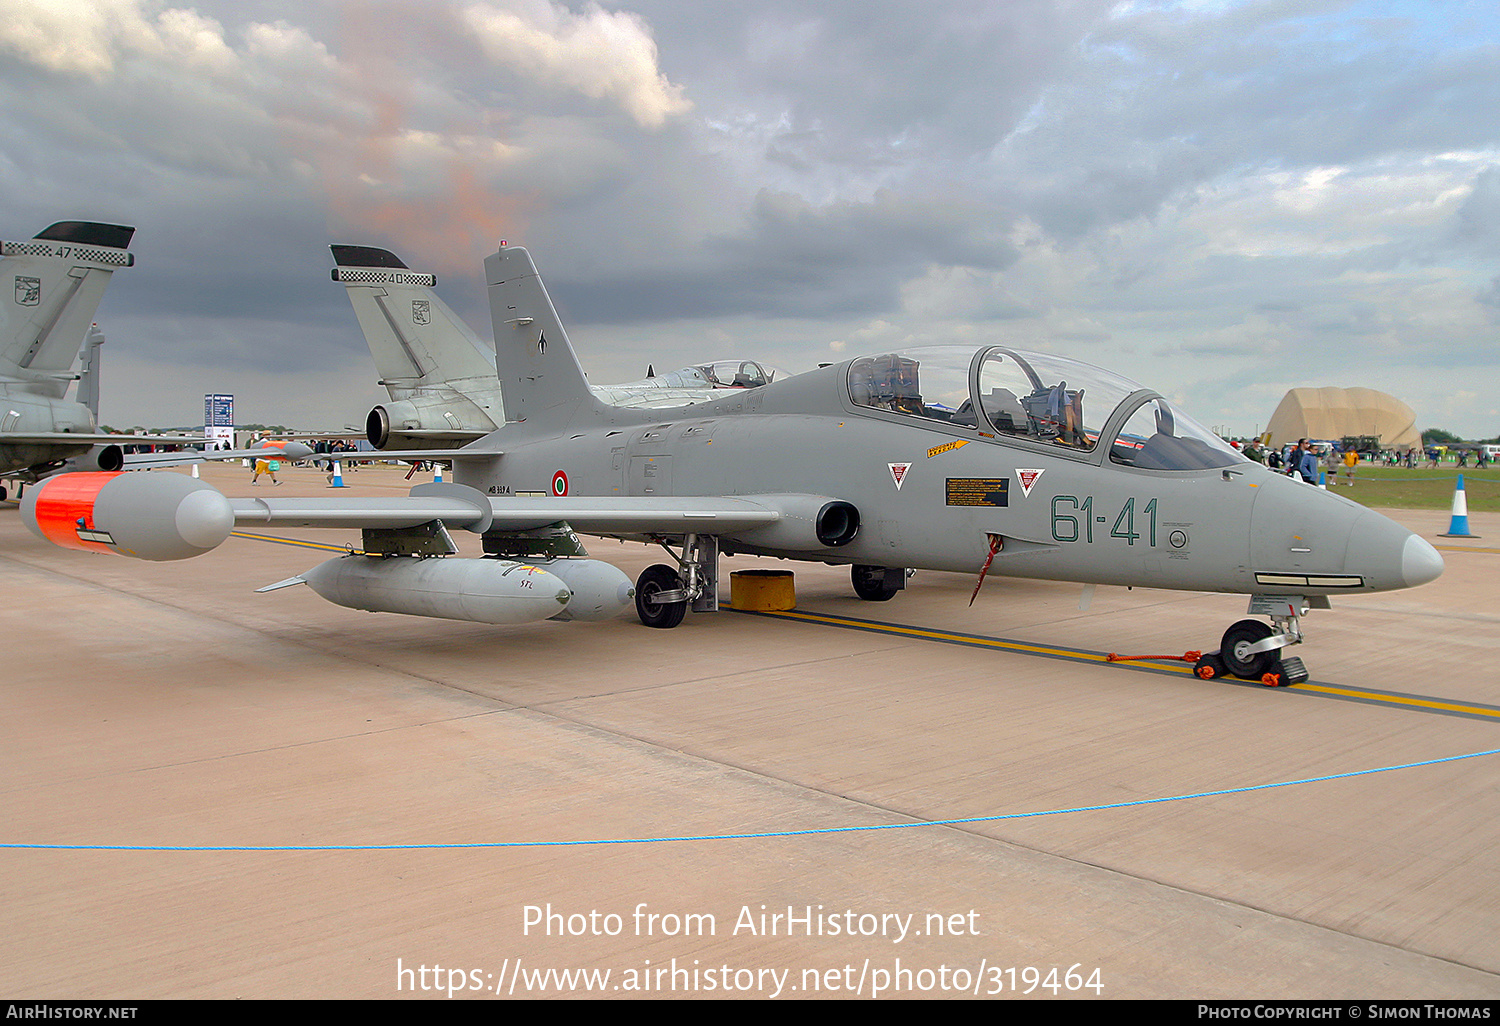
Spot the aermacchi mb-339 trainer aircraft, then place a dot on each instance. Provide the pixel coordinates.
(943, 458)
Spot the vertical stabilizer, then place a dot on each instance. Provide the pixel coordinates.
(540, 376)
(417, 342)
(439, 375)
(50, 288)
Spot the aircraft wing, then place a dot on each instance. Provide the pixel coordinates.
(152, 460)
(410, 455)
(588, 515)
(171, 516)
(77, 438)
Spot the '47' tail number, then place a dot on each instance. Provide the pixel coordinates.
(1073, 519)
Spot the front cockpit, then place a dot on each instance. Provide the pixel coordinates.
(1037, 400)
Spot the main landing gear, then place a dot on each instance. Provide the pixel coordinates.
(664, 594)
(1251, 649)
(877, 583)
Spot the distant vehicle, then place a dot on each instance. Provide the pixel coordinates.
(1363, 444)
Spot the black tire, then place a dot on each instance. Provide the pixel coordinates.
(870, 583)
(1247, 667)
(655, 580)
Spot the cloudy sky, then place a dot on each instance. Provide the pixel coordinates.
(1220, 198)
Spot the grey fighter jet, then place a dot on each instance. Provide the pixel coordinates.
(441, 377)
(50, 287)
(943, 458)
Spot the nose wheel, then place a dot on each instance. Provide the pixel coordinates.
(1252, 649)
(1240, 649)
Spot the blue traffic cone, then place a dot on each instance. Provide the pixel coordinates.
(338, 475)
(437, 473)
(1459, 526)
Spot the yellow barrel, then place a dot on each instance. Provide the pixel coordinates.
(762, 591)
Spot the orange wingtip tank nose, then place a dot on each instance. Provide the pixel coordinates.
(149, 516)
(61, 510)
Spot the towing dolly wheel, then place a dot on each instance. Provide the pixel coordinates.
(871, 584)
(1247, 666)
(654, 581)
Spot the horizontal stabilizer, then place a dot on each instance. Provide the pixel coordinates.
(365, 256)
(89, 233)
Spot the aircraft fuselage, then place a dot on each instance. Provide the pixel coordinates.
(934, 495)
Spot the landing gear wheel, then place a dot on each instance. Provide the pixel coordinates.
(1247, 666)
(658, 580)
(870, 583)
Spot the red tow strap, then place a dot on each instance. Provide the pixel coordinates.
(996, 541)
(1186, 657)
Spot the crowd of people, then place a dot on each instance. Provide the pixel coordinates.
(1304, 462)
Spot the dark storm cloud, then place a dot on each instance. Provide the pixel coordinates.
(1197, 179)
(798, 260)
(1160, 99)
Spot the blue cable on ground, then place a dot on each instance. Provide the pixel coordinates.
(742, 836)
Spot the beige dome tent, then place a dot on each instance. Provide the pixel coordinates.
(1335, 413)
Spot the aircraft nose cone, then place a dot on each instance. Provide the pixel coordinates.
(1420, 562)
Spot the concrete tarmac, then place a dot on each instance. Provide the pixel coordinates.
(169, 705)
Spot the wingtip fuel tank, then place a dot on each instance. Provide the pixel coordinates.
(147, 516)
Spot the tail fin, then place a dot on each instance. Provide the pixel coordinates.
(418, 343)
(58, 279)
(539, 373)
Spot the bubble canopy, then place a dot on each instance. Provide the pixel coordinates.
(1038, 399)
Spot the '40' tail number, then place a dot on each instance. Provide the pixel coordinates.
(1073, 518)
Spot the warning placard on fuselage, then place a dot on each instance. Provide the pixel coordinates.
(978, 491)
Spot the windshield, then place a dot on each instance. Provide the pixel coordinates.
(1035, 397)
(1157, 437)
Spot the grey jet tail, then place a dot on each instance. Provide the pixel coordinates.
(544, 384)
(59, 278)
(439, 374)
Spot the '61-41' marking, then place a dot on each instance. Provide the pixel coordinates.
(1073, 517)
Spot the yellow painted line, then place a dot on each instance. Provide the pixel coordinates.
(320, 546)
(1464, 548)
(980, 641)
(1390, 698)
(1386, 698)
(1051, 652)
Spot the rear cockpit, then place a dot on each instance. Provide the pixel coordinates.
(1038, 400)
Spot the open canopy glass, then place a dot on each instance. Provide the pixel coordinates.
(1039, 399)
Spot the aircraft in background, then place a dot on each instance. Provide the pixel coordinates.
(441, 377)
(944, 458)
(52, 286)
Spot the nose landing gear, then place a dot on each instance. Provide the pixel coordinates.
(1251, 649)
